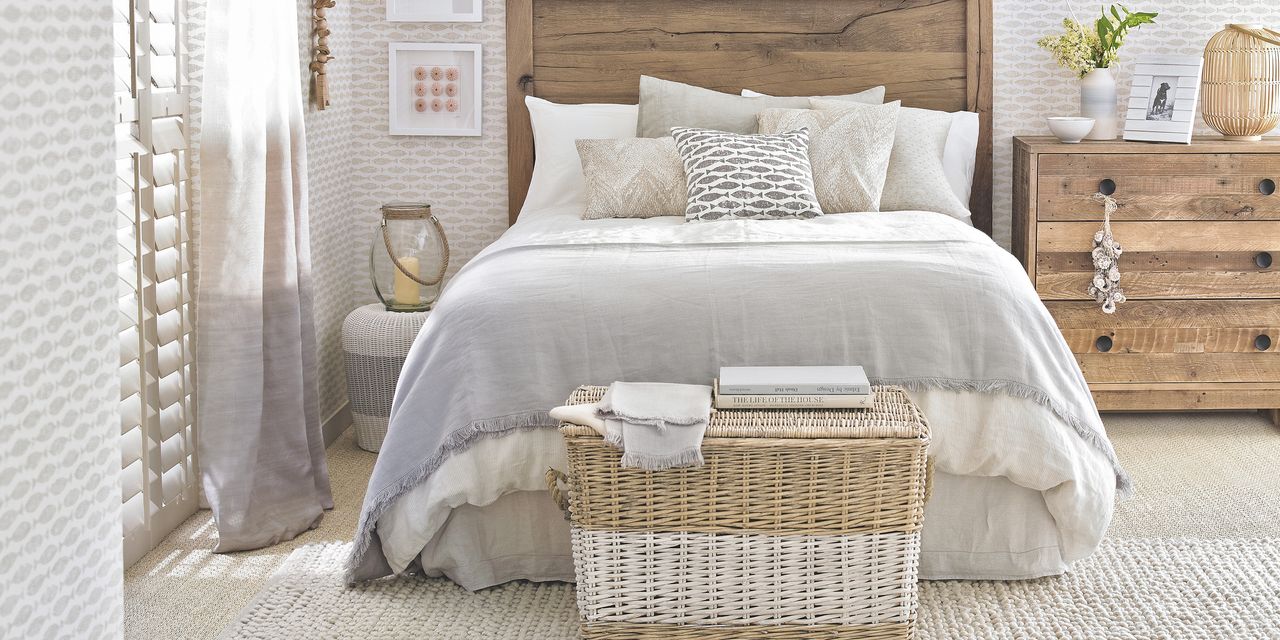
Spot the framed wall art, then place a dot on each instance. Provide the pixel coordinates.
(434, 89)
(434, 10)
(1162, 99)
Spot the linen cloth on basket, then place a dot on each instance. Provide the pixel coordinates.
(657, 425)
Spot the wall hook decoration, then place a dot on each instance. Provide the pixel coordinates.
(320, 53)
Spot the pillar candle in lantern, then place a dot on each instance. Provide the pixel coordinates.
(406, 290)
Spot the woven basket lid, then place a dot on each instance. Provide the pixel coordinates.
(893, 416)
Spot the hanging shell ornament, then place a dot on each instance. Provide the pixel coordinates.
(1105, 287)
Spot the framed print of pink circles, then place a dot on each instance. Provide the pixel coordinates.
(434, 89)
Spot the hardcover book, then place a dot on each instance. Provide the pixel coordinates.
(810, 381)
(794, 401)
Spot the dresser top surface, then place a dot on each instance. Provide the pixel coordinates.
(1199, 144)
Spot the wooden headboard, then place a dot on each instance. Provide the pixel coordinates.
(934, 54)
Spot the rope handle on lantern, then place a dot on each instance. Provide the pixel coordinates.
(1265, 34)
(444, 264)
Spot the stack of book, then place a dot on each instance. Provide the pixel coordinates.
(792, 388)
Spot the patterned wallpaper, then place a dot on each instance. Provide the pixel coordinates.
(355, 166)
(464, 179)
(60, 536)
(332, 175)
(1030, 87)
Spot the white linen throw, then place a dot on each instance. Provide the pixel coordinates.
(657, 425)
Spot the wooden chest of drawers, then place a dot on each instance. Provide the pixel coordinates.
(1200, 229)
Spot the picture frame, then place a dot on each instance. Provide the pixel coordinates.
(434, 89)
(435, 10)
(1162, 99)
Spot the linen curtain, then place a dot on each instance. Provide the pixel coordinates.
(261, 450)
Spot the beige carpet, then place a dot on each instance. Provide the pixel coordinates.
(1129, 588)
(1199, 475)
(181, 590)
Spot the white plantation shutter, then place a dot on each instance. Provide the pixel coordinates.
(157, 439)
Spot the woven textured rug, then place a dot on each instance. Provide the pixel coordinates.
(1130, 589)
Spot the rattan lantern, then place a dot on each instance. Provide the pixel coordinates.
(1241, 84)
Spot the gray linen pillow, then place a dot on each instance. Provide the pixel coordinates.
(632, 178)
(848, 151)
(736, 176)
(665, 104)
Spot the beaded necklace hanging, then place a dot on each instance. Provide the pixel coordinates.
(1105, 287)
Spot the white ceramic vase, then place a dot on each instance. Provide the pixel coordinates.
(1098, 101)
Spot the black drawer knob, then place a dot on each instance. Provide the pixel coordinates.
(1108, 186)
(1263, 260)
(1103, 343)
(1262, 342)
(1267, 186)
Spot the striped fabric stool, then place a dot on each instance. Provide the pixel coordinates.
(801, 524)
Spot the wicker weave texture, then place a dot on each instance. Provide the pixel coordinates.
(749, 579)
(801, 524)
(1241, 84)
(375, 343)
(632, 631)
(762, 485)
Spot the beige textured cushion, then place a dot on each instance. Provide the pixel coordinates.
(916, 180)
(632, 178)
(665, 104)
(848, 149)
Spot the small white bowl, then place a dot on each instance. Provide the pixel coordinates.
(1070, 129)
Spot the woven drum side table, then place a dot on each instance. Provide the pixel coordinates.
(375, 343)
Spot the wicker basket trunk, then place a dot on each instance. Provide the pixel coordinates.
(801, 524)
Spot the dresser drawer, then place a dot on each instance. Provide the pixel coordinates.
(1164, 259)
(1153, 186)
(1165, 341)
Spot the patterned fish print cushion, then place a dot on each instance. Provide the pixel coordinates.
(742, 176)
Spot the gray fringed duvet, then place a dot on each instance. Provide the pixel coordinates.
(919, 299)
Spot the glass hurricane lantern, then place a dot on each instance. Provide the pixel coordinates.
(408, 258)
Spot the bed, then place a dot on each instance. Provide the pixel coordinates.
(1026, 478)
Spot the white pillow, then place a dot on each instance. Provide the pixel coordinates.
(959, 153)
(557, 169)
(874, 95)
(958, 157)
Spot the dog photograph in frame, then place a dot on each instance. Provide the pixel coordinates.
(1162, 99)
